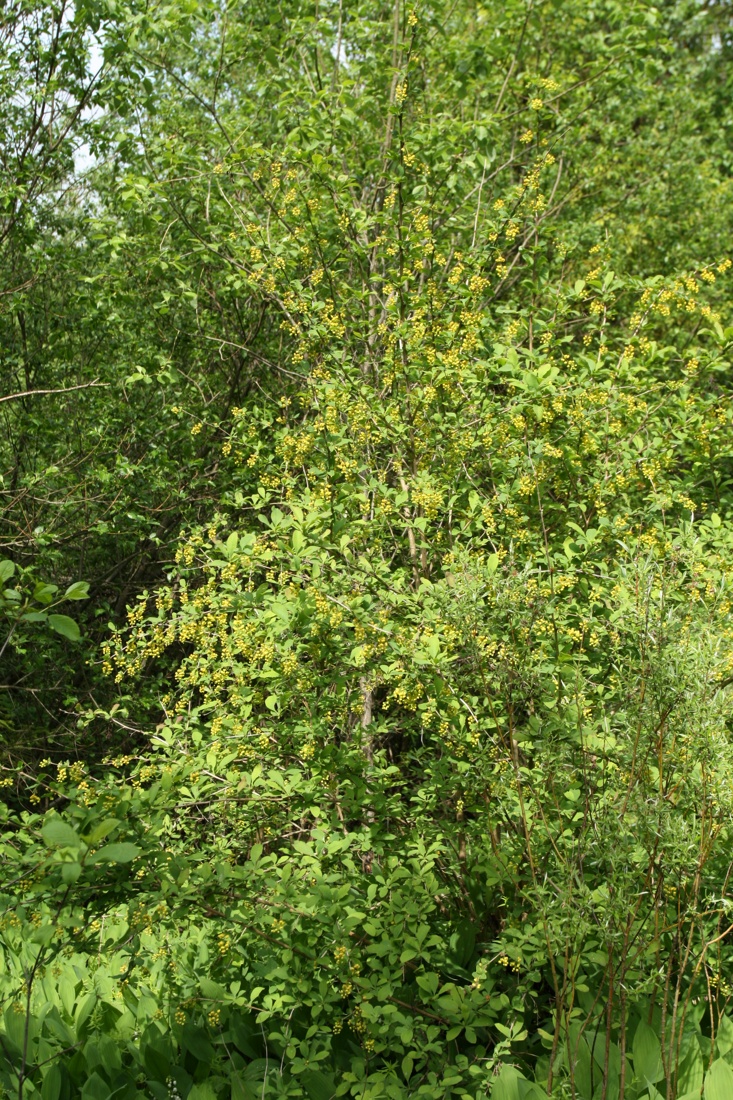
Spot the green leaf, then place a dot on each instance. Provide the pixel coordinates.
(57, 834)
(724, 1036)
(95, 1088)
(7, 569)
(691, 1071)
(67, 992)
(318, 1085)
(583, 1067)
(256, 1070)
(203, 1091)
(51, 1087)
(506, 1085)
(79, 590)
(429, 982)
(101, 830)
(43, 934)
(196, 1040)
(70, 872)
(156, 1061)
(647, 1054)
(44, 593)
(212, 990)
(719, 1081)
(14, 1028)
(62, 624)
(84, 1011)
(54, 1025)
(116, 853)
(462, 942)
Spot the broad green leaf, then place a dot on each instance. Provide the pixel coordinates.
(317, 1085)
(724, 1036)
(586, 1073)
(56, 1027)
(212, 990)
(70, 872)
(256, 1070)
(7, 569)
(691, 1070)
(43, 934)
(62, 624)
(14, 1027)
(647, 1054)
(101, 830)
(52, 1080)
(57, 834)
(506, 1085)
(203, 1091)
(157, 1062)
(67, 993)
(196, 1040)
(84, 1011)
(122, 852)
(462, 942)
(95, 1088)
(719, 1081)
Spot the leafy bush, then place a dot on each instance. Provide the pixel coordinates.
(436, 795)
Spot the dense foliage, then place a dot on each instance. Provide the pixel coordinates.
(367, 482)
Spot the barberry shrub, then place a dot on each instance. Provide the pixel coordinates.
(436, 793)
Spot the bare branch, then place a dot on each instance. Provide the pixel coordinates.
(64, 389)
